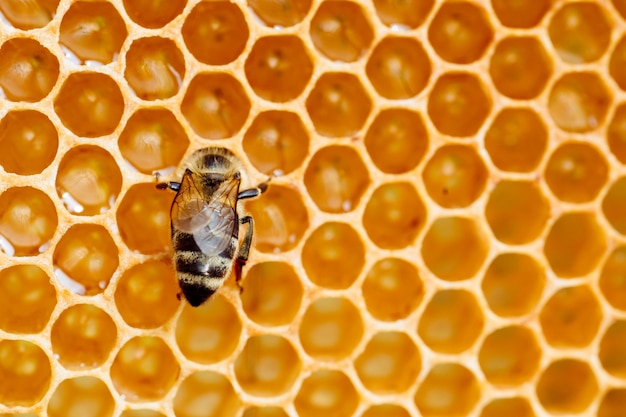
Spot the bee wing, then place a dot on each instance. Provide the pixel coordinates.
(213, 227)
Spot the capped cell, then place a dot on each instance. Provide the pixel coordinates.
(280, 14)
(616, 132)
(74, 395)
(510, 406)
(151, 14)
(567, 386)
(30, 15)
(24, 371)
(522, 14)
(613, 205)
(612, 283)
(410, 14)
(326, 391)
(207, 394)
(612, 345)
(448, 389)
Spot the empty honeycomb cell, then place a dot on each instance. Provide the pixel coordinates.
(28, 140)
(460, 32)
(396, 140)
(451, 322)
(520, 67)
(613, 403)
(27, 299)
(398, 68)
(517, 211)
(268, 411)
(273, 293)
(207, 394)
(28, 71)
(410, 14)
(512, 406)
(88, 180)
(523, 14)
(141, 413)
(613, 278)
(392, 289)
(566, 386)
(143, 218)
(93, 31)
(516, 140)
(576, 172)
(575, 244)
(340, 31)
(216, 318)
(449, 389)
(455, 176)
(215, 104)
(276, 142)
(338, 105)
(28, 220)
(509, 356)
(333, 255)
(267, 366)
(29, 15)
(326, 392)
(76, 395)
(331, 328)
(153, 139)
(153, 14)
(24, 373)
(614, 204)
(612, 345)
(144, 369)
(454, 248)
(513, 284)
(278, 68)
(89, 104)
(85, 259)
(578, 102)
(83, 337)
(616, 132)
(280, 14)
(215, 32)
(616, 65)
(394, 215)
(390, 363)
(580, 32)
(144, 295)
(458, 104)
(385, 410)
(155, 68)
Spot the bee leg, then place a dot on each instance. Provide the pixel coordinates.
(174, 186)
(244, 250)
(254, 192)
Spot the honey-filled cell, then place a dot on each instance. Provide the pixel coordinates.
(448, 389)
(153, 14)
(614, 204)
(29, 15)
(510, 406)
(280, 14)
(410, 13)
(326, 391)
(612, 345)
(522, 14)
(25, 373)
(386, 410)
(267, 411)
(207, 394)
(141, 413)
(566, 386)
(75, 395)
(612, 282)
(613, 403)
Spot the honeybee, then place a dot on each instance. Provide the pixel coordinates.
(205, 222)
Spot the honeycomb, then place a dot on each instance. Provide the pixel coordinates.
(444, 233)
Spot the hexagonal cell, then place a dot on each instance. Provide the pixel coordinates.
(616, 132)
(330, 329)
(455, 176)
(141, 413)
(217, 318)
(280, 219)
(612, 345)
(520, 67)
(448, 389)
(145, 294)
(580, 32)
(143, 218)
(451, 322)
(579, 101)
(88, 180)
(522, 14)
(30, 15)
(394, 215)
(25, 372)
(390, 363)
(144, 369)
(575, 244)
(517, 211)
(567, 386)
(29, 142)
(392, 289)
(612, 282)
(207, 394)
(267, 366)
(338, 105)
(280, 14)
(409, 14)
(340, 31)
(324, 392)
(454, 248)
(510, 356)
(83, 337)
(617, 62)
(85, 259)
(151, 14)
(215, 32)
(613, 205)
(513, 284)
(512, 406)
(398, 68)
(458, 104)
(396, 140)
(74, 396)
(460, 32)
(278, 68)
(267, 411)
(333, 255)
(93, 31)
(215, 104)
(336, 178)
(89, 104)
(613, 403)
(28, 71)
(279, 306)
(28, 220)
(516, 140)
(386, 410)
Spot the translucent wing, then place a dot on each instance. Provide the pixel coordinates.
(214, 228)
